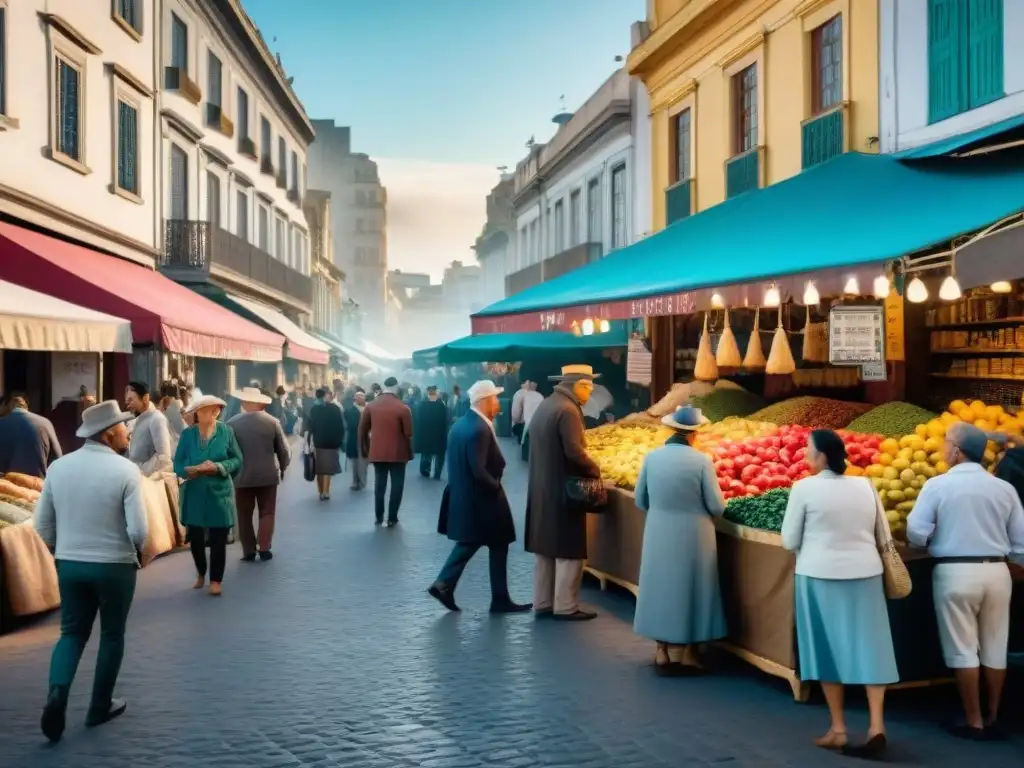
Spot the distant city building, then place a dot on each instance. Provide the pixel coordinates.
(358, 212)
(495, 241)
(461, 286)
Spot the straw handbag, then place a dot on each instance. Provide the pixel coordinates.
(895, 575)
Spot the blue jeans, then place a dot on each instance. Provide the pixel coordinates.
(498, 565)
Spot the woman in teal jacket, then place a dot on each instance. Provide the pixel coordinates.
(207, 458)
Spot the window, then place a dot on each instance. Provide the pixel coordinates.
(179, 183)
(535, 241)
(574, 217)
(127, 147)
(213, 198)
(68, 110)
(242, 108)
(263, 229)
(594, 211)
(215, 75)
(559, 227)
(128, 11)
(827, 65)
(282, 156)
(3, 60)
(265, 139)
(619, 206)
(302, 184)
(549, 224)
(179, 43)
(681, 146)
(965, 55)
(295, 172)
(242, 215)
(280, 241)
(744, 86)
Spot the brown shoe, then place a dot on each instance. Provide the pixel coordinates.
(215, 588)
(200, 583)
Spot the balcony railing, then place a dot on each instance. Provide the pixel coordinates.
(823, 137)
(678, 201)
(743, 172)
(191, 248)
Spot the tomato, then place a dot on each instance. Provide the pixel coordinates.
(723, 484)
(748, 472)
(752, 490)
(785, 455)
(776, 442)
(736, 486)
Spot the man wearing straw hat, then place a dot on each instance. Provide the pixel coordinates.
(556, 533)
(265, 457)
(92, 516)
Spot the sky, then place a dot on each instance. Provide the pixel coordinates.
(443, 92)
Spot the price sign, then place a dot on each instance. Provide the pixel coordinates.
(873, 372)
(638, 362)
(69, 372)
(856, 335)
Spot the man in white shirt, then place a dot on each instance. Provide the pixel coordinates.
(594, 409)
(531, 401)
(972, 523)
(517, 411)
(150, 446)
(92, 516)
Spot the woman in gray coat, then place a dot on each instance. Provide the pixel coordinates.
(680, 604)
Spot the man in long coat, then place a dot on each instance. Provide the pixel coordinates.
(431, 433)
(474, 509)
(556, 533)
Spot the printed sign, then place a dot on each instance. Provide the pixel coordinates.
(69, 372)
(856, 335)
(873, 372)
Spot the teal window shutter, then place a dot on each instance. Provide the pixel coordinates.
(985, 32)
(947, 58)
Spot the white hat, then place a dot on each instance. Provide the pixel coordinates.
(203, 401)
(572, 373)
(483, 389)
(252, 395)
(99, 418)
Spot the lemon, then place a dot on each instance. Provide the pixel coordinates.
(949, 419)
(936, 428)
(932, 444)
(956, 406)
(905, 440)
(895, 485)
(896, 496)
(935, 458)
(910, 493)
(921, 430)
(984, 425)
(908, 476)
(885, 459)
(901, 464)
(941, 467)
(874, 470)
(993, 412)
(889, 446)
(893, 516)
(878, 482)
(978, 408)
(890, 473)
(920, 456)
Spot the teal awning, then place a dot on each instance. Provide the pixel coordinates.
(515, 347)
(855, 210)
(966, 141)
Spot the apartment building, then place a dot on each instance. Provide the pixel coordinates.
(497, 239)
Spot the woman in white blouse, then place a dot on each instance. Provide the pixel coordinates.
(842, 622)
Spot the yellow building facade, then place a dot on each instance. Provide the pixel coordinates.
(746, 93)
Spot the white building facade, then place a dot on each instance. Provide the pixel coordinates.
(76, 79)
(233, 151)
(587, 191)
(948, 67)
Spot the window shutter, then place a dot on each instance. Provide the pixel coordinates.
(179, 183)
(127, 149)
(985, 51)
(947, 58)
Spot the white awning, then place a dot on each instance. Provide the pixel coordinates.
(355, 357)
(33, 321)
(379, 352)
(301, 345)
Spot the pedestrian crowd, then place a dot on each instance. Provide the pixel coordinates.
(970, 521)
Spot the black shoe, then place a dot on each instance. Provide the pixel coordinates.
(508, 606)
(117, 707)
(962, 730)
(267, 555)
(872, 749)
(444, 595)
(676, 669)
(250, 558)
(390, 523)
(378, 522)
(544, 613)
(425, 474)
(579, 615)
(54, 713)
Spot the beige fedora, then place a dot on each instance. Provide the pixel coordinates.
(575, 373)
(252, 395)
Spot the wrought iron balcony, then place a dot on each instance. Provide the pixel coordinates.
(678, 201)
(823, 136)
(743, 172)
(192, 248)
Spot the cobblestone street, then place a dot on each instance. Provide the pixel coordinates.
(333, 655)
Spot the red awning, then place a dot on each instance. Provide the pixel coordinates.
(161, 311)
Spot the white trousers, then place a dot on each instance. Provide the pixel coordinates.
(556, 584)
(972, 604)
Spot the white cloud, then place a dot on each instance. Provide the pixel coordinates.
(435, 212)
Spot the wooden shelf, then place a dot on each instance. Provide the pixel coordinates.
(992, 352)
(977, 323)
(1018, 379)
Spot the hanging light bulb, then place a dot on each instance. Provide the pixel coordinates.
(917, 291)
(1001, 286)
(717, 302)
(772, 297)
(881, 287)
(811, 296)
(852, 287)
(588, 327)
(605, 326)
(950, 289)
(575, 328)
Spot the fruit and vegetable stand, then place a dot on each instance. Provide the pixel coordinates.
(756, 576)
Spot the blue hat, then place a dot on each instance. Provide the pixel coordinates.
(685, 419)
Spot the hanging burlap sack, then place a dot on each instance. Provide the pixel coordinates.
(780, 358)
(755, 355)
(728, 355)
(706, 368)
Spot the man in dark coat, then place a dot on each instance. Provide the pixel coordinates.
(431, 431)
(28, 442)
(474, 510)
(556, 533)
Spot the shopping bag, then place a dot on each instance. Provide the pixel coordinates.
(895, 576)
(309, 465)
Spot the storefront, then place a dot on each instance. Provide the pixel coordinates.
(853, 280)
(166, 318)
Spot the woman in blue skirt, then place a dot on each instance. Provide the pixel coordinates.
(842, 622)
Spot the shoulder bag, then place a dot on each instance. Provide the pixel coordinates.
(585, 494)
(895, 575)
(308, 463)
